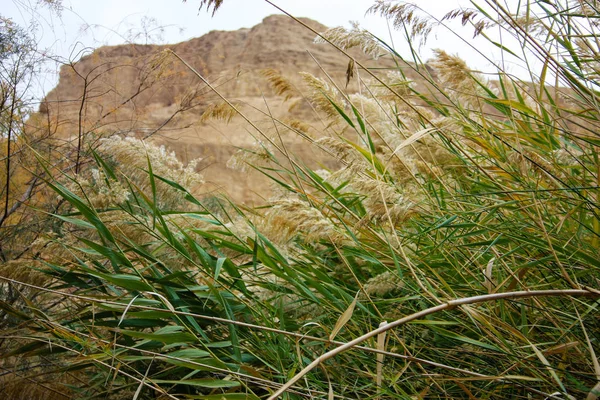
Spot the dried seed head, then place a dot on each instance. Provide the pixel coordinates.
(396, 87)
(451, 69)
(221, 111)
(405, 16)
(322, 95)
(346, 39)
(529, 22)
(470, 16)
(288, 219)
(132, 156)
(259, 153)
(341, 150)
(383, 285)
(382, 201)
(215, 4)
(297, 125)
(280, 85)
(457, 79)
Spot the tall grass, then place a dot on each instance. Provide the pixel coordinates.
(455, 253)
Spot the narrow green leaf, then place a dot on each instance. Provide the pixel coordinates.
(190, 354)
(205, 383)
(167, 338)
(75, 221)
(218, 266)
(224, 396)
(129, 282)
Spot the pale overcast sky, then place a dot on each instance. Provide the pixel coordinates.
(92, 23)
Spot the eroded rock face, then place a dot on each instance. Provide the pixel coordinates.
(144, 91)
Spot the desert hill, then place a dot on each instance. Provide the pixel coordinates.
(143, 91)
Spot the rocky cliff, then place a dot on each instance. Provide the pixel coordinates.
(142, 90)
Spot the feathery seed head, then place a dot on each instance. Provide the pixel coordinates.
(342, 151)
(257, 154)
(346, 39)
(215, 4)
(297, 125)
(322, 95)
(450, 68)
(132, 156)
(405, 16)
(382, 201)
(280, 85)
(457, 79)
(470, 16)
(386, 284)
(219, 111)
(396, 87)
(291, 218)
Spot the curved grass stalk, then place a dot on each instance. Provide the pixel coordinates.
(445, 306)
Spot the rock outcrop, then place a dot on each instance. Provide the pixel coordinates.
(145, 91)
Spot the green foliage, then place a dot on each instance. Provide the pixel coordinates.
(467, 188)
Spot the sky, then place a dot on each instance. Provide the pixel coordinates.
(88, 24)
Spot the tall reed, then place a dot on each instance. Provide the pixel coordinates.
(454, 254)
